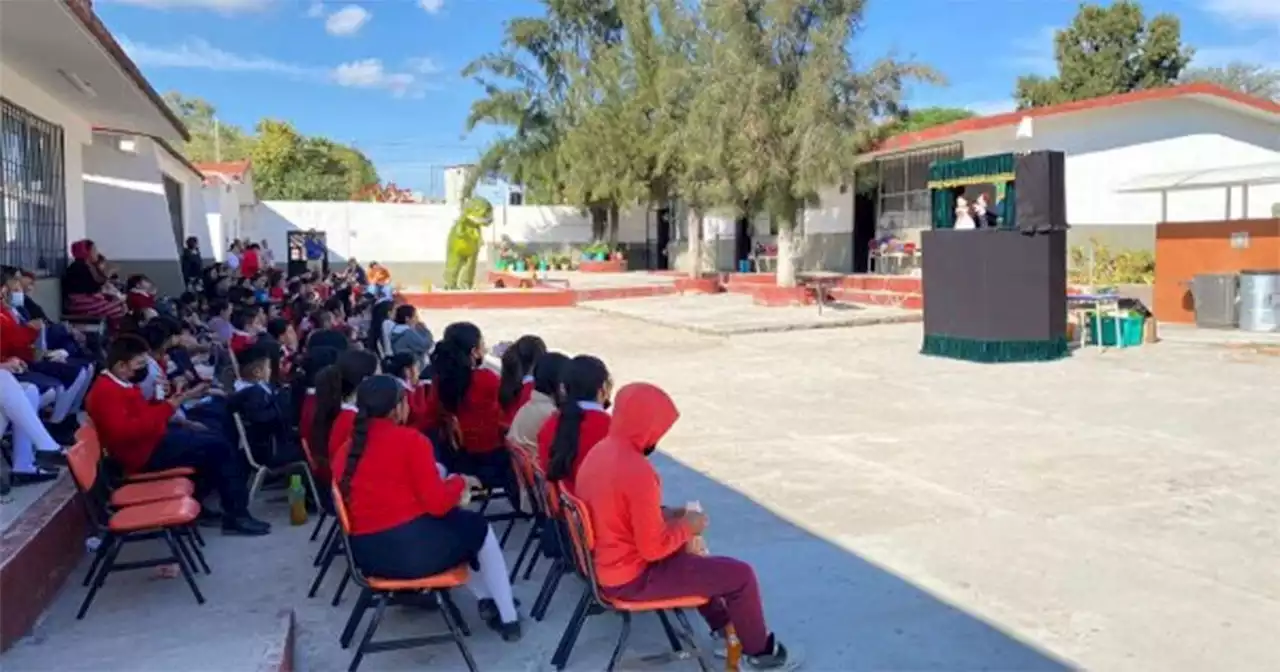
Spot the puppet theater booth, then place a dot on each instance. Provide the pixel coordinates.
(997, 293)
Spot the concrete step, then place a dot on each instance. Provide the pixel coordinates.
(906, 300)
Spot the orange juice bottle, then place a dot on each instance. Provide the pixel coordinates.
(733, 646)
(297, 501)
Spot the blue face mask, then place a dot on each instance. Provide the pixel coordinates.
(17, 299)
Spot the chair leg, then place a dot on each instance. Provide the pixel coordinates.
(324, 568)
(691, 640)
(447, 598)
(571, 631)
(502, 541)
(524, 552)
(186, 553)
(342, 586)
(195, 532)
(379, 610)
(315, 532)
(533, 562)
(256, 484)
(195, 548)
(113, 544)
(357, 613)
(98, 555)
(324, 547)
(670, 632)
(549, 585)
(182, 564)
(447, 612)
(622, 641)
(311, 482)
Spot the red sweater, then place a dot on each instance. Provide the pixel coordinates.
(594, 427)
(139, 300)
(343, 427)
(480, 416)
(395, 480)
(16, 340)
(129, 426)
(421, 411)
(250, 264)
(240, 341)
(623, 492)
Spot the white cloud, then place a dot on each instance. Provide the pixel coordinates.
(347, 21)
(369, 73)
(431, 6)
(316, 10)
(1247, 12)
(221, 6)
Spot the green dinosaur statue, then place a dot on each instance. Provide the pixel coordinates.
(464, 243)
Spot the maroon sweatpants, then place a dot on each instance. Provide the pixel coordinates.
(731, 585)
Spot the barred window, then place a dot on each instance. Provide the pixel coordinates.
(33, 216)
(903, 202)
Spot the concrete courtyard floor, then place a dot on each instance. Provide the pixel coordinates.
(734, 314)
(1118, 510)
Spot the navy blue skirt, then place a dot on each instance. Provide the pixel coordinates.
(421, 547)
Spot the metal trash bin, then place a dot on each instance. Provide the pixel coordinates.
(1260, 300)
(1217, 300)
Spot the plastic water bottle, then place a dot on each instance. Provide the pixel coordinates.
(297, 501)
(732, 645)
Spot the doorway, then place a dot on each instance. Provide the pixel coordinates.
(173, 198)
(659, 240)
(742, 244)
(864, 228)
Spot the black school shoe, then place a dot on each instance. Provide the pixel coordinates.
(18, 478)
(776, 658)
(510, 632)
(246, 526)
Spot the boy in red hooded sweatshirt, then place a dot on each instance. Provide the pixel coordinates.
(640, 552)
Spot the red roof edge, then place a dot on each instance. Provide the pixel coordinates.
(84, 12)
(235, 169)
(937, 133)
(163, 143)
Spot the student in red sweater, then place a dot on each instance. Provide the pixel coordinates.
(518, 362)
(140, 294)
(335, 402)
(147, 435)
(472, 421)
(404, 367)
(581, 421)
(408, 519)
(244, 325)
(640, 551)
(250, 261)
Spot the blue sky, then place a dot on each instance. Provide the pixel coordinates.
(384, 74)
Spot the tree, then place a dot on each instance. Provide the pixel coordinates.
(1109, 50)
(292, 167)
(928, 117)
(1247, 78)
(801, 113)
(210, 141)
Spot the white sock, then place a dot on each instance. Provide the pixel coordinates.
(61, 404)
(18, 404)
(491, 578)
(47, 398)
(81, 387)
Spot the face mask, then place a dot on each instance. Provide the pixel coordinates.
(139, 375)
(17, 299)
(649, 450)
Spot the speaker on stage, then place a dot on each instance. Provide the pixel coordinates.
(1041, 198)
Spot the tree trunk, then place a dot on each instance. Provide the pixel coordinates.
(787, 250)
(694, 220)
(613, 226)
(598, 223)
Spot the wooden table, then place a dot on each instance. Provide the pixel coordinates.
(820, 281)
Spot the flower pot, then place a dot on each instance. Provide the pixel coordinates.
(500, 265)
(520, 266)
(542, 266)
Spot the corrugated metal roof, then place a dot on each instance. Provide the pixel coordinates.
(1231, 176)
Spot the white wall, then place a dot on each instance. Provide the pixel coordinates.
(222, 218)
(194, 222)
(76, 132)
(127, 212)
(1107, 148)
(407, 232)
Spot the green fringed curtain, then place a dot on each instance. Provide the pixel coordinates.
(944, 205)
(978, 170)
(1008, 210)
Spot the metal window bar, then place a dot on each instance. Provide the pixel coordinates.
(33, 216)
(904, 202)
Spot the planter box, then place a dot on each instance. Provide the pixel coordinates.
(704, 285)
(606, 266)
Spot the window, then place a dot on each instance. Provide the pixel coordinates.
(903, 201)
(33, 218)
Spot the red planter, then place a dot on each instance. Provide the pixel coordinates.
(704, 285)
(607, 266)
(776, 297)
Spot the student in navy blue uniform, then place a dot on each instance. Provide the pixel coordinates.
(263, 411)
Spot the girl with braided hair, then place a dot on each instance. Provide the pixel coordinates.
(407, 515)
(335, 403)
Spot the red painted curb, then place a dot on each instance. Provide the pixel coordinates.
(608, 266)
(524, 298)
(606, 293)
(278, 656)
(776, 297)
(37, 554)
(880, 298)
(688, 285)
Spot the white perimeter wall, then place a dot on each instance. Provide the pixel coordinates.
(1107, 148)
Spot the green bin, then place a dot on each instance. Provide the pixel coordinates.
(1130, 329)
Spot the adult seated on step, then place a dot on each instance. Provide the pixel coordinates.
(518, 363)
(579, 423)
(142, 435)
(48, 370)
(87, 291)
(470, 421)
(57, 336)
(640, 547)
(408, 519)
(20, 404)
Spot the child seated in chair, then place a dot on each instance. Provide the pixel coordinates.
(518, 364)
(640, 546)
(262, 411)
(140, 294)
(579, 423)
(404, 368)
(408, 519)
(244, 324)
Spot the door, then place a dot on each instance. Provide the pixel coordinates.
(741, 241)
(864, 228)
(173, 196)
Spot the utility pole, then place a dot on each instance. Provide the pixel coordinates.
(217, 141)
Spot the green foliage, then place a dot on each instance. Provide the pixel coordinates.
(1108, 50)
(928, 117)
(286, 164)
(1096, 264)
(1247, 78)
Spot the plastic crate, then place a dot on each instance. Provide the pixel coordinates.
(1130, 330)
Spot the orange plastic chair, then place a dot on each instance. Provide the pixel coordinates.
(376, 592)
(120, 525)
(582, 541)
(523, 467)
(548, 494)
(87, 432)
